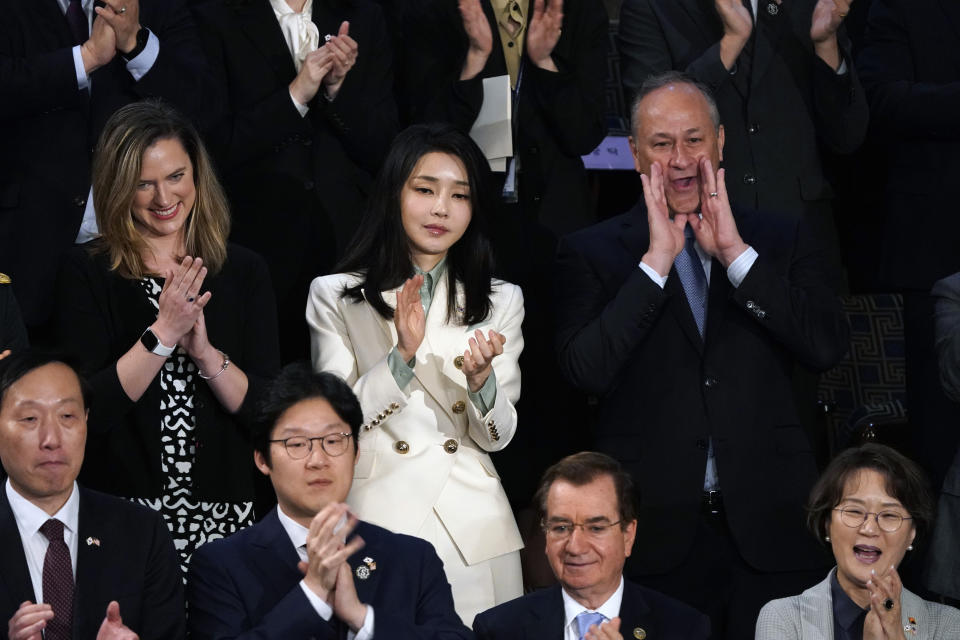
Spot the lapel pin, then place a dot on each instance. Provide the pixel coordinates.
(639, 633)
(912, 627)
(363, 571)
(773, 9)
(93, 542)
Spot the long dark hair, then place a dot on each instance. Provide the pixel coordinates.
(379, 250)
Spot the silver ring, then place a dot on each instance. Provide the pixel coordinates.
(888, 604)
(123, 9)
(714, 194)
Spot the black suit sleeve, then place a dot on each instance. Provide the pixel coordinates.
(795, 305)
(902, 105)
(162, 611)
(597, 329)
(947, 333)
(31, 85)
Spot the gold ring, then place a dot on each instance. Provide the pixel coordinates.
(123, 9)
(843, 15)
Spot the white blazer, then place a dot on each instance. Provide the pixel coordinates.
(425, 447)
(809, 616)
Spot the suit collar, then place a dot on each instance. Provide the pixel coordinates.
(768, 33)
(260, 24)
(544, 615)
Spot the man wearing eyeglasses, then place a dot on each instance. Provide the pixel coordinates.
(310, 569)
(589, 520)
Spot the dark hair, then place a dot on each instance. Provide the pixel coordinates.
(667, 78)
(298, 382)
(583, 468)
(380, 251)
(904, 480)
(20, 363)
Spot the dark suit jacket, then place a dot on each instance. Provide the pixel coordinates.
(297, 185)
(561, 115)
(910, 65)
(247, 586)
(539, 616)
(777, 122)
(663, 391)
(103, 316)
(49, 128)
(134, 564)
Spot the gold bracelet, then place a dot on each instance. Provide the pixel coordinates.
(223, 367)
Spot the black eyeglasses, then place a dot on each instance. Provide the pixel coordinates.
(299, 447)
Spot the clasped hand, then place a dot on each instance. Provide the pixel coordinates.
(327, 65)
(180, 317)
(714, 227)
(882, 623)
(326, 571)
(114, 29)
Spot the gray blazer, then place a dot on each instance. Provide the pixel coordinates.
(809, 616)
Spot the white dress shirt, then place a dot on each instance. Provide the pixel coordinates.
(300, 34)
(29, 518)
(298, 536)
(571, 609)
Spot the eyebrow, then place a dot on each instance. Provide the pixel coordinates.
(591, 520)
(463, 183)
(326, 430)
(171, 174)
(882, 504)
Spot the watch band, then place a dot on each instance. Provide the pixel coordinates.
(152, 343)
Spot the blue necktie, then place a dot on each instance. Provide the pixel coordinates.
(587, 619)
(693, 278)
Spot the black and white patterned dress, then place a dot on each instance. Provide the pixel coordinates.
(192, 522)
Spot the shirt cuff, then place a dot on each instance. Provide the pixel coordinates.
(740, 267)
(402, 371)
(366, 631)
(843, 67)
(141, 65)
(319, 604)
(302, 109)
(83, 81)
(660, 280)
(484, 399)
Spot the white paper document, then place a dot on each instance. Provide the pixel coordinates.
(492, 130)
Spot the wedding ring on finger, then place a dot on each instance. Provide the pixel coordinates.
(714, 194)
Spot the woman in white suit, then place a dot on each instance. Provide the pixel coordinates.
(430, 342)
(870, 506)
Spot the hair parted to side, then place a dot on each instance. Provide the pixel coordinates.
(297, 382)
(117, 165)
(380, 250)
(18, 364)
(665, 79)
(583, 468)
(904, 481)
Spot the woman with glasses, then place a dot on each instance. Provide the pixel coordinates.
(870, 506)
(175, 327)
(430, 342)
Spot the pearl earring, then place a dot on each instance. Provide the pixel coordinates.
(909, 547)
(827, 538)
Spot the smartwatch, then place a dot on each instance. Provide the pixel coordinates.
(150, 340)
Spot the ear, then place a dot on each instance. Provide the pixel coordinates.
(721, 136)
(629, 534)
(913, 534)
(636, 159)
(260, 460)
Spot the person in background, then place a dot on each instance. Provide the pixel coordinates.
(870, 507)
(430, 342)
(76, 563)
(307, 116)
(176, 326)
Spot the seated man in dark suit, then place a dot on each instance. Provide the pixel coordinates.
(298, 573)
(685, 318)
(589, 518)
(76, 553)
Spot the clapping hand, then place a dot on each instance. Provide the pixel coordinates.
(343, 52)
(180, 301)
(326, 549)
(112, 627)
(124, 17)
(478, 359)
(479, 37)
(409, 318)
(884, 623)
(544, 31)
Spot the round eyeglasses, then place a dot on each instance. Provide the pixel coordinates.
(562, 530)
(299, 447)
(888, 521)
